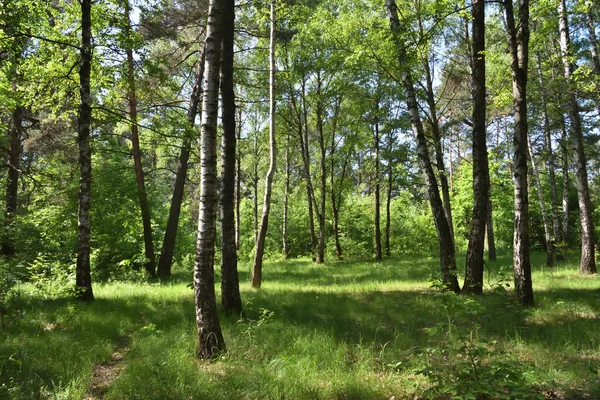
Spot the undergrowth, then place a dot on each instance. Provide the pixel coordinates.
(343, 330)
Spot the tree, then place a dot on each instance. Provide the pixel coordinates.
(264, 224)
(230, 288)
(168, 247)
(210, 337)
(135, 144)
(474, 265)
(83, 280)
(588, 261)
(518, 41)
(446, 244)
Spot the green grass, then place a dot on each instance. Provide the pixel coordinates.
(343, 330)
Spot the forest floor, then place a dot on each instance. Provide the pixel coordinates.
(343, 330)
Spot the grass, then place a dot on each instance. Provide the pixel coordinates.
(343, 330)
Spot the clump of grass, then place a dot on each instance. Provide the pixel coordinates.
(345, 330)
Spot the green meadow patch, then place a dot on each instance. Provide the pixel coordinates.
(343, 330)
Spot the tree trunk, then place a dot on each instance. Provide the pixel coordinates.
(238, 183)
(388, 202)
(150, 264)
(540, 193)
(447, 254)
(519, 55)
(588, 262)
(489, 225)
(255, 188)
(286, 197)
(435, 130)
(166, 256)
(549, 159)
(210, 337)
(231, 300)
(336, 200)
(320, 210)
(83, 280)
(378, 251)
(566, 181)
(15, 135)
(474, 265)
(262, 233)
(593, 48)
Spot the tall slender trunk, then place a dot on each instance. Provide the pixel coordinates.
(435, 130)
(210, 336)
(238, 183)
(474, 264)
(15, 135)
(447, 253)
(255, 188)
(566, 182)
(83, 280)
(388, 201)
(262, 233)
(540, 194)
(336, 199)
(286, 198)
(150, 264)
(231, 300)
(378, 251)
(593, 49)
(549, 157)
(489, 226)
(310, 193)
(518, 39)
(323, 177)
(588, 262)
(168, 248)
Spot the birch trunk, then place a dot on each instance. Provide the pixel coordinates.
(588, 262)
(210, 337)
(540, 194)
(447, 253)
(264, 224)
(83, 280)
(519, 56)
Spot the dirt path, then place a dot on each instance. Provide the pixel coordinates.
(104, 374)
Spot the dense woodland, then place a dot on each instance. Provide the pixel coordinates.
(141, 140)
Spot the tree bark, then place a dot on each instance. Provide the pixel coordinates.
(377, 222)
(264, 224)
(231, 300)
(336, 199)
(388, 200)
(286, 196)
(540, 193)
(83, 280)
(435, 130)
(166, 256)
(474, 264)
(447, 254)
(15, 136)
(566, 182)
(210, 337)
(519, 55)
(588, 262)
(238, 183)
(150, 264)
(549, 158)
(320, 210)
(489, 226)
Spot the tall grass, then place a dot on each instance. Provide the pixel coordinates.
(343, 330)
